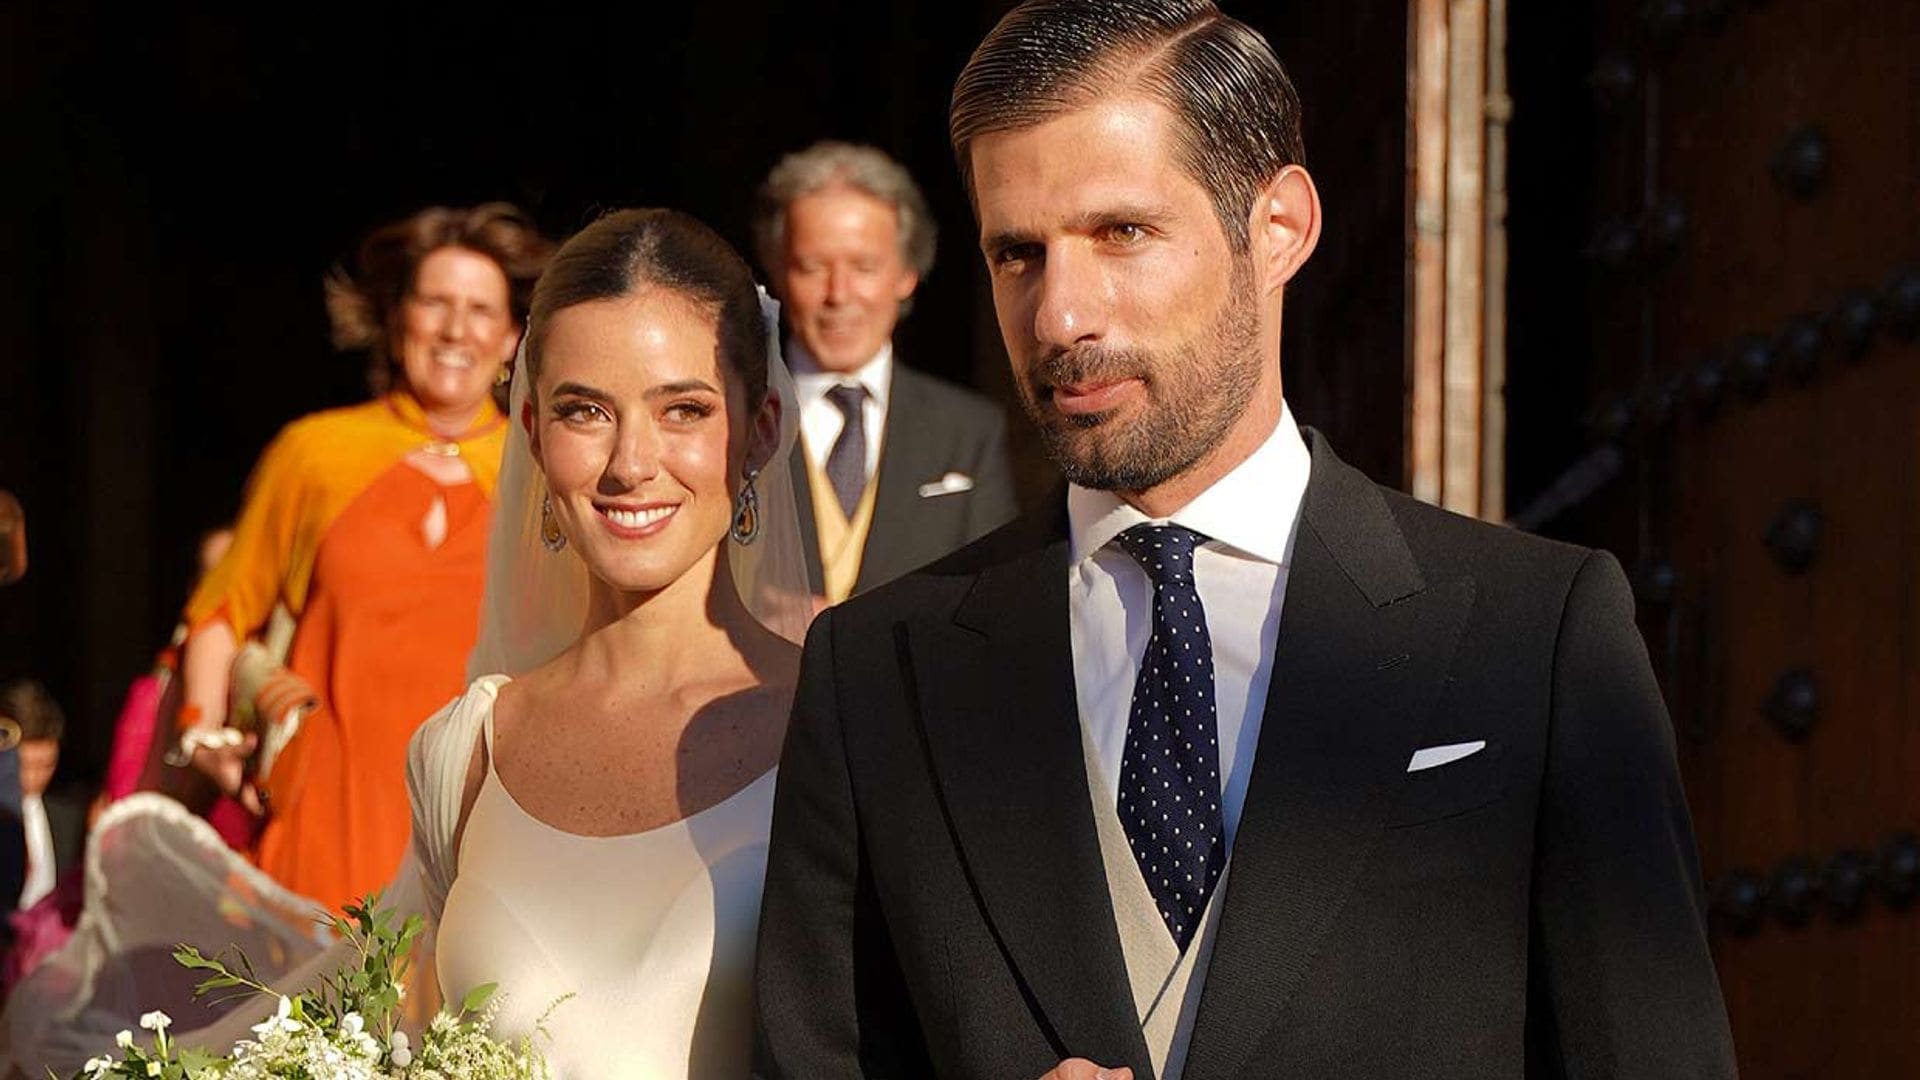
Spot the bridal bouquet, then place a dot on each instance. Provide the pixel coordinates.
(343, 1029)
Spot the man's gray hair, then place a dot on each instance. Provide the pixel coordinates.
(829, 164)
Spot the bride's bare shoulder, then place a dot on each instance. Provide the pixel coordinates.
(513, 699)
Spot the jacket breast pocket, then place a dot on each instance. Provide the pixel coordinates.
(1444, 791)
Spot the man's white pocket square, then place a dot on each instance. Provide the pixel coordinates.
(951, 484)
(1433, 757)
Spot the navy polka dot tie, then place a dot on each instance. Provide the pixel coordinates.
(1170, 774)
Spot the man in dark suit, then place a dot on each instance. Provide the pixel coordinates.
(893, 468)
(1088, 799)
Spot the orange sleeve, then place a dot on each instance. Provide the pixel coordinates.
(260, 566)
(483, 456)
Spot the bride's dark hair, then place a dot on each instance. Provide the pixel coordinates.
(628, 250)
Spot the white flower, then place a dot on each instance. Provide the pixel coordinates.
(124, 1040)
(153, 1068)
(400, 1040)
(281, 1021)
(156, 1021)
(98, 1067)
(351, 1024)
(402, 1057)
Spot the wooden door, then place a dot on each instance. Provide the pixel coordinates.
(1753, 292)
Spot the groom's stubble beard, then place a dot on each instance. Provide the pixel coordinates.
(1195, 394)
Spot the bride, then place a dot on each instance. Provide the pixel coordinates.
(591, 816)
(598, 825)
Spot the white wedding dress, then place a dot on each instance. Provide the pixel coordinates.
(652, 933)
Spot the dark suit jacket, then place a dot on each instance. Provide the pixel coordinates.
(13, 837)
(935, 902)
(932, 428)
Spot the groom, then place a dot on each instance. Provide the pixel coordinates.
(1231, 763)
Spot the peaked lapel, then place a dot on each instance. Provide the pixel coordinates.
(803, 509)
(1364, 646)
(906, 461)
(1001, 718)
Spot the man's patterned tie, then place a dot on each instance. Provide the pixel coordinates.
(847, 461)
(1170, 774)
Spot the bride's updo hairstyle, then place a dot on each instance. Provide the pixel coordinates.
(628, 251)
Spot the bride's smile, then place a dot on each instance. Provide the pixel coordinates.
(636, 523)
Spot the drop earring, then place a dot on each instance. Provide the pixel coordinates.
(551, 537)
(746, 512)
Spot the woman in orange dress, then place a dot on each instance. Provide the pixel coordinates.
(369, 525)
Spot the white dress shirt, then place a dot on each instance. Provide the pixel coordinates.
(1249, 517)
(820, 419)
(42, 874)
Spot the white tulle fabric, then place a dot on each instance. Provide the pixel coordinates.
(158, 876)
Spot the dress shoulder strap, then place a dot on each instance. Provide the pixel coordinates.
(437, 763)
(486, 733)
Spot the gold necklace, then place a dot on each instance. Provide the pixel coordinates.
(442, 449)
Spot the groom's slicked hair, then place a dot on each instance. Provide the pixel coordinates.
(1238, 115)
(626, 251)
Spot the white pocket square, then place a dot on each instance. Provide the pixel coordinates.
(951, 484)
(1433, 757)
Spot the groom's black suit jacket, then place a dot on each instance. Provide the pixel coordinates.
(935, 900)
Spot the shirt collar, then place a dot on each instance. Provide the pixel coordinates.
(811, 382)
(1254, 509)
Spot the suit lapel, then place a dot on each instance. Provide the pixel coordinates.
(1003, 732)
(896, 502)
(1364, 647)
(803, 509)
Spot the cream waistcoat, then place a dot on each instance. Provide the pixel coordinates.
(1166, 983)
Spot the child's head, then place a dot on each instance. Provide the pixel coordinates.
(29, 715)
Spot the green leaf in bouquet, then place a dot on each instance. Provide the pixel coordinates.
(199, 1063)
(189, 957)
(363, 919)
(477, 998)
(223, 977)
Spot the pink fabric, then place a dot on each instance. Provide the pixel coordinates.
(132, 737)
(41, 929)
(237, 827)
